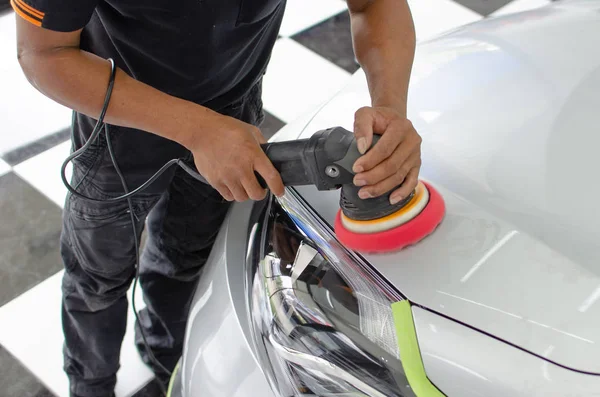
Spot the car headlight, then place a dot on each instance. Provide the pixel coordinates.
(321, 317)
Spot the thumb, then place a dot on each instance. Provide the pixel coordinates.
(363, 128)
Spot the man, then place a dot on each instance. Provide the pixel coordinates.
(188, 85)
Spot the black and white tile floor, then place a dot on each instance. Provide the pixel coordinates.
(311, 61)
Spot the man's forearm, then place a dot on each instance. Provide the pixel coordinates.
(384, 43)
(79, 80)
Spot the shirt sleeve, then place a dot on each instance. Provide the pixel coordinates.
(58, 15)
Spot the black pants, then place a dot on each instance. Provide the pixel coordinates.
(182, 217)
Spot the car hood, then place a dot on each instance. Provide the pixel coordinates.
(507, 109)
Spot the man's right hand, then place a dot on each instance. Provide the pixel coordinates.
(227, 153)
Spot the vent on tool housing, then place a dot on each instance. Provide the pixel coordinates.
(347, 205)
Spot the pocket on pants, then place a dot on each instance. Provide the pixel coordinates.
(106, 212)
(101, 236)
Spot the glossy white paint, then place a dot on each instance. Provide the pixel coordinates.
(509, 140)
(217, 360)
(452, 355)
(508, 112)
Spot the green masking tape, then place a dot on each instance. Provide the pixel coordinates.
(410, 355)
(172, 380)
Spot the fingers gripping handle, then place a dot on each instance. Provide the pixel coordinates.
(324, 160)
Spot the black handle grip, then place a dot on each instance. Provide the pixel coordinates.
(324, 160)
(288, 159)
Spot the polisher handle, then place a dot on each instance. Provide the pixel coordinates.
(324, 160)
(288, 159)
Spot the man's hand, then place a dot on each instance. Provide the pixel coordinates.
(228, 155)
(394, 160)
(383, 34)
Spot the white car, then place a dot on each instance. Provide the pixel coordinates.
(503, 299)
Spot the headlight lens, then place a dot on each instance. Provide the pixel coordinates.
(321, 317)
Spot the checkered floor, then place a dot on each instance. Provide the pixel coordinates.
(311, 61)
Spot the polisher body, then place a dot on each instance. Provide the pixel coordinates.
(325, 160)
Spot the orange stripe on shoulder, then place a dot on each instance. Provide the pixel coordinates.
(24, 15)
(30, 9)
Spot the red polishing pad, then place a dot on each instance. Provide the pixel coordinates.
(398, 237)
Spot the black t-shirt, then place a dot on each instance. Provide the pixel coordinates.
(207, 51)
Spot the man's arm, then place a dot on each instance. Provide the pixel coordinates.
(384, 43)
(226, 150)
(55, 66)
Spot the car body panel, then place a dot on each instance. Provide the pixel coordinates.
(510, 143)
(452, 356)
(218, 359)
(510, 140)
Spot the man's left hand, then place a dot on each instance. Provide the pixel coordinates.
(393, 161)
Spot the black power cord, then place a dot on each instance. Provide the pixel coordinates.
(137, 261)
(98, 128)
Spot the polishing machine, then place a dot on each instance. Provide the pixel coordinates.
(325, 160)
